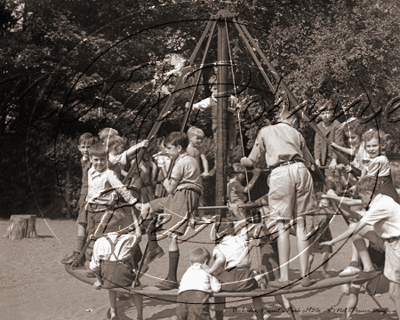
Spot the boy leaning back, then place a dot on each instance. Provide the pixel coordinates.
(184, 189)
(383, 216)
(291, 194)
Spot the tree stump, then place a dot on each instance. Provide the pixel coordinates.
(21, 226)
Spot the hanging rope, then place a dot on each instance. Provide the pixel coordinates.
(237, 109)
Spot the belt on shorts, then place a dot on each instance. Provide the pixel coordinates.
(392, 239)
(286, 163)
(93, 207)
(237, 268)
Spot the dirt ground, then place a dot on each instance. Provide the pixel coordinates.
(35, 285)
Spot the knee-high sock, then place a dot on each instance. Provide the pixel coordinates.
(173, 265)
(151, 234)
(80, 243)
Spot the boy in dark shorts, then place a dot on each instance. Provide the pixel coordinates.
(86, 140)
(184, 189)
(103, 184)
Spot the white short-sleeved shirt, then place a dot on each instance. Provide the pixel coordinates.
(195, 278)
(235, 250)
(384, 216)
(378, 167)
(102, 248)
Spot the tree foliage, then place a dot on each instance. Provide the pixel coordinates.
(75, 66)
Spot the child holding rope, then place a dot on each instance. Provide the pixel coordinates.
(381, 225)
(353, 131)
(184, 190)
(112, 260)
(86, 140)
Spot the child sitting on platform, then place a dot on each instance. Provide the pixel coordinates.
(112, 260)
(381, 225)
(196, 287)
(184, 190)
(85, 142)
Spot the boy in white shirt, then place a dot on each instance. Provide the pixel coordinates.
(196, 287)
(102, 184)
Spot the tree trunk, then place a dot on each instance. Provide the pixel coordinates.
(21, 226)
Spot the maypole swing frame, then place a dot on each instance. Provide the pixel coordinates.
(219, 21)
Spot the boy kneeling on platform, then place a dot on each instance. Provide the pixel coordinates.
(232, 263)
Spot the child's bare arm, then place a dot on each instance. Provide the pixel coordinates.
(219, 262)
(131, 151)
(350, 151)
(256, 174)
(352, 230)
(120, 188)
(343, 200)
(205, 164)
(96, 267)
(170, 184)
(154, 174)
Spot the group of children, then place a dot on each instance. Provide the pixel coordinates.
(373, 211)
(291, 201)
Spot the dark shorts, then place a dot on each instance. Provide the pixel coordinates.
(82, 216)
(94, 214)
(237, 280)
(178, 209)
(193, 305)
(117, 274)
